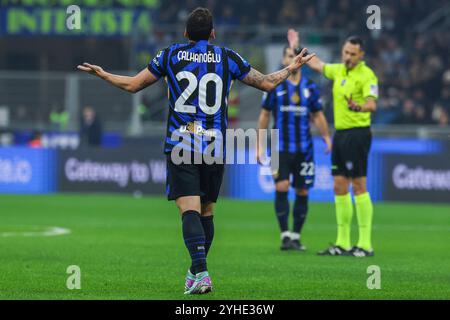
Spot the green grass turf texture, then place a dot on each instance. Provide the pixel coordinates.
(129, 248)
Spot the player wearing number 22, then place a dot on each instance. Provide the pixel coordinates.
(199, 76)
(293, 103)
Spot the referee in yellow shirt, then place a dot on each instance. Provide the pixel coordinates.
(355, 91)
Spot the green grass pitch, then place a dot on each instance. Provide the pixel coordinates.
(130, 248)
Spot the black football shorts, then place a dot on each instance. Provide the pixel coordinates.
(299, 165)
(202, 180)
(350, 152)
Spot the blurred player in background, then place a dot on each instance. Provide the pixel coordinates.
(199, 76)
(355, 91)
(293, 104)
(91, 129)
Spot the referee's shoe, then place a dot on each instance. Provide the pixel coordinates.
(334, 250)
(360, 252)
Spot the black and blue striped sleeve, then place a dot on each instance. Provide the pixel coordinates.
(158, 64)
(239, 67)
(268, 100)
(315, 102)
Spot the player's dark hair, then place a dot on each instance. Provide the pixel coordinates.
(356, 40)
(199, 24)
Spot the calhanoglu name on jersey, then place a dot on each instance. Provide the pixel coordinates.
(208, 57)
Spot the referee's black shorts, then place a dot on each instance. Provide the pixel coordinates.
(202, 180)
(350, 152)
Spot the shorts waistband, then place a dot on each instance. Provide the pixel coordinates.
(353, 129)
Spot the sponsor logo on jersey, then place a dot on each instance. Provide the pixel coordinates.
(298, 110)
(197, 129)
(156, 59)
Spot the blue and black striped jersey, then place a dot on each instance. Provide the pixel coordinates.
(291, 106)
(199, 76)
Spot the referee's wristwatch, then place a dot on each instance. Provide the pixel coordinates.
(298, 50)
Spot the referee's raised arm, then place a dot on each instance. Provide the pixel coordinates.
(294, 42)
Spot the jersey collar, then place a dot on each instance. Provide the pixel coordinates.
(202, 43)
(294, 84)
(359, 65)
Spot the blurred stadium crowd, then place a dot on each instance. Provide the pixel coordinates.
(413, 67)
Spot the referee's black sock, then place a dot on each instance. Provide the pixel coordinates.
(194, 238)
(282, 209)
(208, 228)
(300, 211)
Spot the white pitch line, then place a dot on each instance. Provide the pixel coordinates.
(48, 232)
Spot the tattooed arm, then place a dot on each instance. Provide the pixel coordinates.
(266, 82)
(269, 82)
(131, 84)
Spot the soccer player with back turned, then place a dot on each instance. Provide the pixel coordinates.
(199, 76)
(355, 91)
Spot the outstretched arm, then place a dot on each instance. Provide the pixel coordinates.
(294, 42)
(268, 82)
(316, 64)
(131, 84)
